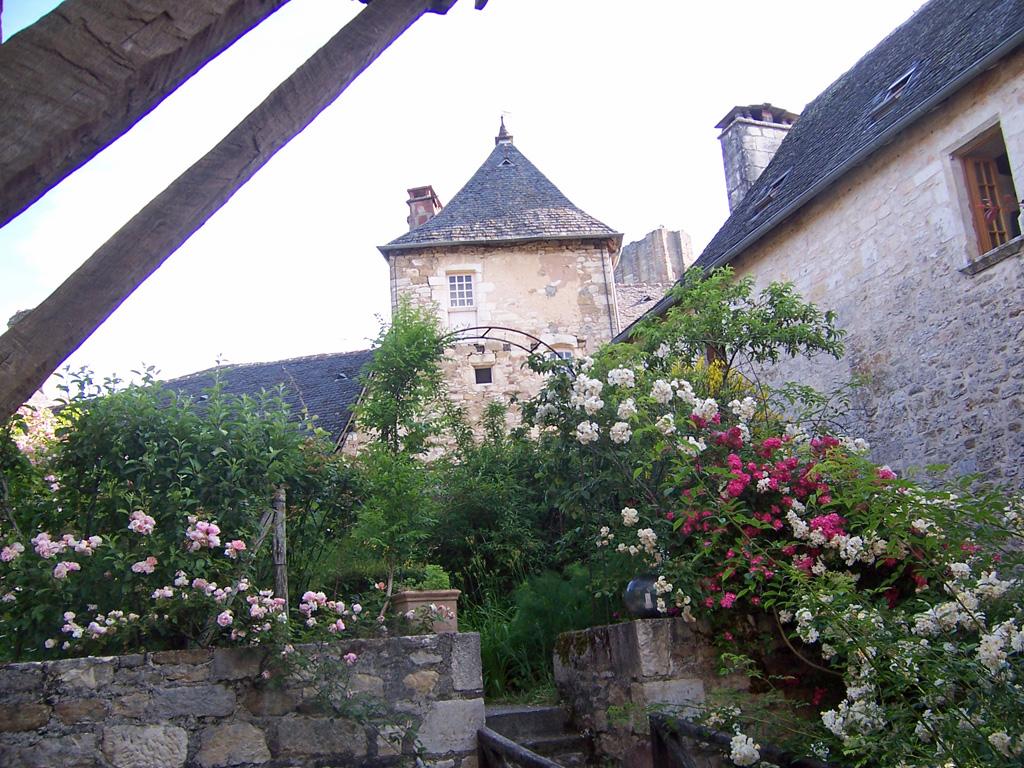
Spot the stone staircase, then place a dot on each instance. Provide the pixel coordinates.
(544, 730)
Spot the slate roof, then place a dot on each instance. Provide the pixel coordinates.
(326, 385)
(506, 199)
(944, 45)
(634, 299)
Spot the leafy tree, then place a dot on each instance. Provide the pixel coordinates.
(404, 381)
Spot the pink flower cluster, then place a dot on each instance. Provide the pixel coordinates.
(233, 548)
(47, 547)
(202, 534)
(141, 523)
(12, 552)
(830, 525)
(145, 566)
(64, 567)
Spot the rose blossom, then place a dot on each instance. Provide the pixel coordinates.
(233, 548)
(61, 570)
(141, 523)
(225, 619)
(145, 566)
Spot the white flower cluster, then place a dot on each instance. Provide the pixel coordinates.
(648, 539)
(621, 377)
(994, 647)
(692, 446)
(854, 444)
(1004, 745)
(661, 392)
(630, 516)
(627, 409)
(706, 409)
(743, 750)
(586, 394)
(620, 433)
(744, 409)
(666, 424)
(964, 610)
(587, 432)
(604, 536)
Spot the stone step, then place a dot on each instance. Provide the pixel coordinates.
(556, 746)
(524, 722)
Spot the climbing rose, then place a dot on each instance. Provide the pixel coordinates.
(225, 619)
(61, 570)
(145, 566)
(141, 523)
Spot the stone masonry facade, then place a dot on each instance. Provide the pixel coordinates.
(937, 336)
(561, 291)
(211, 708)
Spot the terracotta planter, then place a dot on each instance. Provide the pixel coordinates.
(412, 600)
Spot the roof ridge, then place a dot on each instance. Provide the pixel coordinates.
(253, 364)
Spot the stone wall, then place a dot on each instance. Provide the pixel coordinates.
(891, 249)
(561, 291)
(212, 709)
(609, 677)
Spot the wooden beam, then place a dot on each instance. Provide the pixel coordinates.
(33, 348)
(85, 73)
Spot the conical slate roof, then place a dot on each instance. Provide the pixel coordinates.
(506, 199)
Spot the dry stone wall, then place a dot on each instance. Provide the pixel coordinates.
(213, 709)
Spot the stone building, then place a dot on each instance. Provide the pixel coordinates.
(893, 200)
(510, 252)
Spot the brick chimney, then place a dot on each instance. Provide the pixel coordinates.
(424, 204)
(750, 137)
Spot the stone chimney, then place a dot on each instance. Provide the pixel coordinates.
(424, 204)
(750, 137)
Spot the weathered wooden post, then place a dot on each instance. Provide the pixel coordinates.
(280, 546)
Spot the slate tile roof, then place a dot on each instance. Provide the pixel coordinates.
(325, 385)
(943, 45)
(506, 199)
(634, 299)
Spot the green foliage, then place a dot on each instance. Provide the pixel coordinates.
(149, 449)
(495, 526)
(396, 508)
(718, 317)
(403, 381)
(429, 577)
(517, 637)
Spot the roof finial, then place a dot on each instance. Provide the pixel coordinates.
(503, 137)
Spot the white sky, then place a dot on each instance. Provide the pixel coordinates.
(614, 100)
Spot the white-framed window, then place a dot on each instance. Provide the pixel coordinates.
(460, 290)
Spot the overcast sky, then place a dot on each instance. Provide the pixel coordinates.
(614, 100)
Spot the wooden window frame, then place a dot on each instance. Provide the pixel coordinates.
(992, 197)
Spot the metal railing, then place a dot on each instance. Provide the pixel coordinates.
(669, 750)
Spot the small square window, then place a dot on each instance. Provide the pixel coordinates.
(483, 375)
(991, 193)
(460, 290)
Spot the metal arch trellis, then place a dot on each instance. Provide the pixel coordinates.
(505, 335)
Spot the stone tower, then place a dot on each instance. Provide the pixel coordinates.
(509, 250)
(750, 137)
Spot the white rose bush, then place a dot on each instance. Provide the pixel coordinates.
(887, 615)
